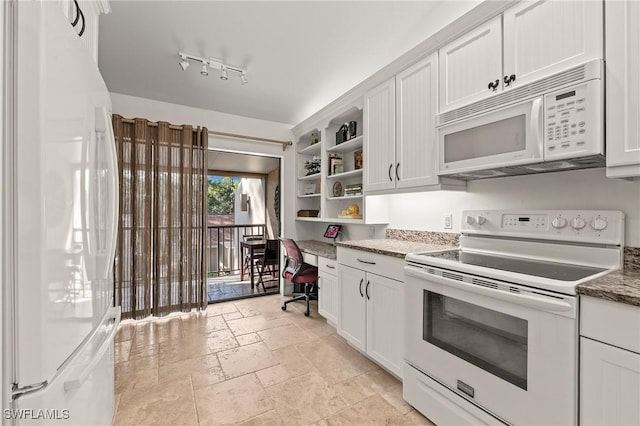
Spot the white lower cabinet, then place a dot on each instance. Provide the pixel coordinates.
(609, 363)
(370, 315)
(610, 383)
(328, 290)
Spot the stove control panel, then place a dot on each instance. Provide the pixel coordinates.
(601, 226)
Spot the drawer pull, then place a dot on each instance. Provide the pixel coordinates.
(330, 266)
(368, 262)
(361, 281)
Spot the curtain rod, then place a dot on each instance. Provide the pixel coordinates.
(284, 144)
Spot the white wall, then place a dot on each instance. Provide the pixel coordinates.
(131, 106)
(255, 214)
(580, 189)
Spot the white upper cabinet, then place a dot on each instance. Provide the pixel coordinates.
(85, 14)
(470, 64)
(544, 37)
(530, 41)
(416, 107)
(380, 137)
(623, 88)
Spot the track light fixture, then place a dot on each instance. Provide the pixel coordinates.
(215, 64)
(184, 64)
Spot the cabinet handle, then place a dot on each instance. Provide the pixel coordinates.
(493, 86)
(397, 167)
(390, 167)
(368, 262)
(330, 266)
(367, 291)
(361, 281)
(508, 79)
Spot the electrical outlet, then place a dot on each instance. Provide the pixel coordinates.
(448, 218)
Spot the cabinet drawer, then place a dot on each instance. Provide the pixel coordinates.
(309, 258)
(380, 264)
(327, 266)
(614, 323)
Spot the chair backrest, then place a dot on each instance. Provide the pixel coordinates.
(294, 257)
(272, 252)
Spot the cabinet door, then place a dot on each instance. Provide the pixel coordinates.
(385, 328)
(544, 37)
(469, 64)
(352, 306)
(416, 107)
(328, 297)
(623, 85)
(380, 137)
(609, 385)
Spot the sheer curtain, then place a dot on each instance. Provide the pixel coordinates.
(160, 264)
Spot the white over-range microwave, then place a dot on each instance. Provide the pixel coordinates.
(553, 124)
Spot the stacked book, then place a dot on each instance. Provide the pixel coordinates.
(353, 189)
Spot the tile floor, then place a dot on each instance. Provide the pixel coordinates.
(248, 362)
(231, 288)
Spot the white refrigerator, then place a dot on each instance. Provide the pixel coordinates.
(60, 207)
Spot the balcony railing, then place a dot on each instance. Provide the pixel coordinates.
(223, 247)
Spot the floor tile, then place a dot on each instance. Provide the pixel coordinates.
(170, 403)
(280, 337)
(290, 364)
(232, 401)
(184, 368)
(122, 351)
(221, 340)
(255, 323)
(306, 399)
(246, 359)
(418, 419)
(267, 419)
(371, 411)
(247, 339)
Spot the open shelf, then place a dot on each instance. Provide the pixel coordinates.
(345, 197)
(309, 195)
(310, 177)
(311, 149)
(346, 174)
(310, 219)
(350, 145)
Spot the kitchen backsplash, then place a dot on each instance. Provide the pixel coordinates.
(631, 259)
(444, 238)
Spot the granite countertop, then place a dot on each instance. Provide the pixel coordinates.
(392, 247)
(619, 286)
(318, 248)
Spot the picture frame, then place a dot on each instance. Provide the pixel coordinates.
(309, 189)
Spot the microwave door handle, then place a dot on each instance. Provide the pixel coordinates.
(536, 124)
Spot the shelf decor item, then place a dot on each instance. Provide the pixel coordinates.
(357, 159)
(337, 168)
(309, 189)
(334, 160)
(308, 213)
(312, 166)
(315, 137)
(337, 189)
(342, 134)
(351, 212)
(353, 125)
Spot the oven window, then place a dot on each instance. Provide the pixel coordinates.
(490, 340)
(499, 137)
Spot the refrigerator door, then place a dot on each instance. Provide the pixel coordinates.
(65, 206)
(83, 392)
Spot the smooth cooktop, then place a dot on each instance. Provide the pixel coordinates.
(537, 268)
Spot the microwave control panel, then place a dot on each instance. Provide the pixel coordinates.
(571, 122)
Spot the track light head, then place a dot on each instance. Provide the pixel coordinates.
(243, 77)
(224, 75)
(205, 68)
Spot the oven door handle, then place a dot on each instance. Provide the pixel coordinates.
(538, 302)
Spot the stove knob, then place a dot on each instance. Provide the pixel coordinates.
(470, 220)
(481, 220)
(559, 222)
(578, 223)
(598, 224)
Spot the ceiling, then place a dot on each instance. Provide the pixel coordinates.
(299, 55)
(239, 164)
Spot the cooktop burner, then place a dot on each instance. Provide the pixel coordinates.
(537, 268)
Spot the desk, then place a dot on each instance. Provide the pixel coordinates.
(252, 246)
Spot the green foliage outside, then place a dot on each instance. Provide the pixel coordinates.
(220, 195)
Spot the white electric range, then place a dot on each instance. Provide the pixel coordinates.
(491, 327)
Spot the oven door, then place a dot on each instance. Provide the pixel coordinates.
(508, 349)
(507, 137)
